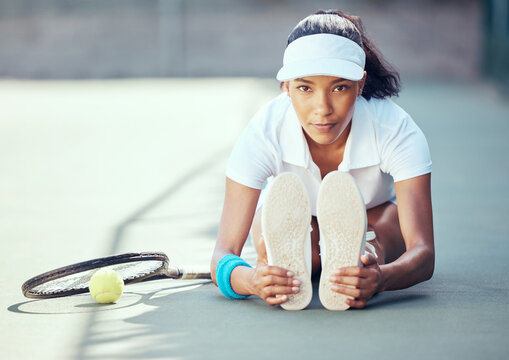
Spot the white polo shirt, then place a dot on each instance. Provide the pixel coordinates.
(384, 146)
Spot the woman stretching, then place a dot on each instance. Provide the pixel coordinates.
(330, 176)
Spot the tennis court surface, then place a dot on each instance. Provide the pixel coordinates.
(92, 168)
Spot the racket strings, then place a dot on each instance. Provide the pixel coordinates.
(129, 272)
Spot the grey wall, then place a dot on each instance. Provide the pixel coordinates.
(155, 38)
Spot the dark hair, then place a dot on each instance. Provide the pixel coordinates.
(382, 79)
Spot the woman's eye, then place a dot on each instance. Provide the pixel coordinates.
(340, 88)
(304, 88)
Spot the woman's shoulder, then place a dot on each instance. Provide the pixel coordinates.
(386, 112)
(402, 146)
(389, 120)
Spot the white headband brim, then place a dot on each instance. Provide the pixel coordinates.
(323, 54)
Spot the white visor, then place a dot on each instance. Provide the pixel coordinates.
(323, 54)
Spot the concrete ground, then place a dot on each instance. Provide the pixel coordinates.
(93, 168)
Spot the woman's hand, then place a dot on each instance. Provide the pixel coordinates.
(271, 283)
(361, 283)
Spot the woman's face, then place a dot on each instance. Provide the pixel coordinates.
(324, 105)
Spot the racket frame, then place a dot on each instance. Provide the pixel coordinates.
(161, 273)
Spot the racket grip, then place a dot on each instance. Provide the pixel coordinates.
(191, 274)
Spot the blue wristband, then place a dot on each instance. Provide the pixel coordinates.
(224, 270)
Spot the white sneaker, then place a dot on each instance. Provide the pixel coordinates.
(286, 218)
(342, 222)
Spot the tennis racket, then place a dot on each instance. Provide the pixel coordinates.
(133, 267)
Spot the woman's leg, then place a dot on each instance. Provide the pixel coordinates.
(389, 242)
(383, 220)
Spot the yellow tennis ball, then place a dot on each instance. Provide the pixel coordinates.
(106, 286)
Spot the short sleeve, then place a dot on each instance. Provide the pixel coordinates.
(403, 148)
(251, 161)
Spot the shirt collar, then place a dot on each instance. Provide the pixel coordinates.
(361, 147)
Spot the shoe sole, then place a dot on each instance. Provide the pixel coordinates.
(342, 221)
(286, 217)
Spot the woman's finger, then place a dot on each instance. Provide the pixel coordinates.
(277, 271)
(262, 253)
(271, 291)
(349, 291)
(352, 271)
(279, 280)
(273, 300)
(368, 259)
(349, 280)
(354, 303)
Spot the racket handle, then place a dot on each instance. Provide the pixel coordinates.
(190, 273)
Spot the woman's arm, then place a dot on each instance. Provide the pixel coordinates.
(416, 220)
(263, 280)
